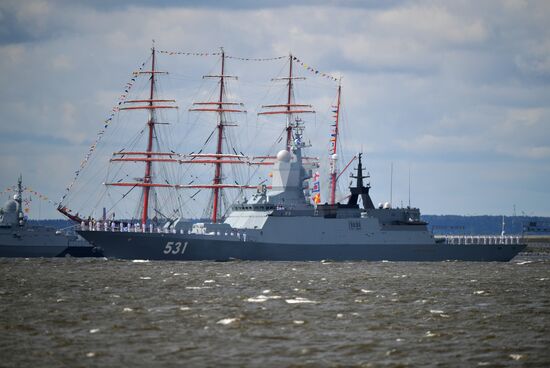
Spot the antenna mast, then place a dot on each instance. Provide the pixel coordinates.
(391, 184)
(409, 187)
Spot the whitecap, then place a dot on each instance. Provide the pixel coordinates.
(145, 278)
(339, 315)
(429, 334)
(367, 291)
(176, 274)
(266, 291)
(184, 308)
(298, 322)
(479, 292)
(516, 356)
(91, 354)
(141, 261)
(262, 298)
(126, 309)
(94, 330)
(436, 311)
(209, 281)
(523, 262)
(226, 321)
(299, 301)
(197, 287)
(543, 279)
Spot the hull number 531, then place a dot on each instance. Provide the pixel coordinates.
(175, 248)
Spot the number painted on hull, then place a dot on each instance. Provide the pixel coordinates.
(175, 248)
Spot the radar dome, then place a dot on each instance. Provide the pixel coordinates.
(283, 155)
(387, 205)
(10, 207)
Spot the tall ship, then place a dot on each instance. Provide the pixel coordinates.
(19, 239)
(281, 220)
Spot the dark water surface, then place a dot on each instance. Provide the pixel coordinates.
(107, 313)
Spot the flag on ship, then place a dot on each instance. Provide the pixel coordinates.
(316, 188)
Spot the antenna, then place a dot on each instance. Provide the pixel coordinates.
(391, 184)
(409, 186)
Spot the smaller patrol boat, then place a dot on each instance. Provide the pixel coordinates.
(19, 239)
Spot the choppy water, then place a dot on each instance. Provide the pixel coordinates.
(97, 312)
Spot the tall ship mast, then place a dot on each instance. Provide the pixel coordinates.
(221, 108)
(150, 155)
(290, 109)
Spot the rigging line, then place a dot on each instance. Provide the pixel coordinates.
(99, 136)
(193, 97)
(184, 53)
(270, 149)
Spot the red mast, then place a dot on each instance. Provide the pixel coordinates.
(149, 154)
(151, 125)
(221, 110)
(218, 165)
(334, 145)
(290, 107)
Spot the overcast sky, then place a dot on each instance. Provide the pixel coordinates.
(458, 92)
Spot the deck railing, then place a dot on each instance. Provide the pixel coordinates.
(150, 228)
(479, 239)
(127, 227)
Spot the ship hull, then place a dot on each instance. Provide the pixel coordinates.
(192, 247)
(39, 242)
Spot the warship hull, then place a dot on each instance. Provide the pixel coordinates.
(196, 247)
(43, 242)
(31, 244)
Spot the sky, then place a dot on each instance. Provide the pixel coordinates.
(455, 93)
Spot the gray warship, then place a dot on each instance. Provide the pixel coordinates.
(280, 224)
(19, 239)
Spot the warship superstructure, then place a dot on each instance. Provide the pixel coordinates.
(19, 239)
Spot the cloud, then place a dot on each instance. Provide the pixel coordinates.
(457, 86)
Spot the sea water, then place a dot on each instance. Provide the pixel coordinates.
(98, 312)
